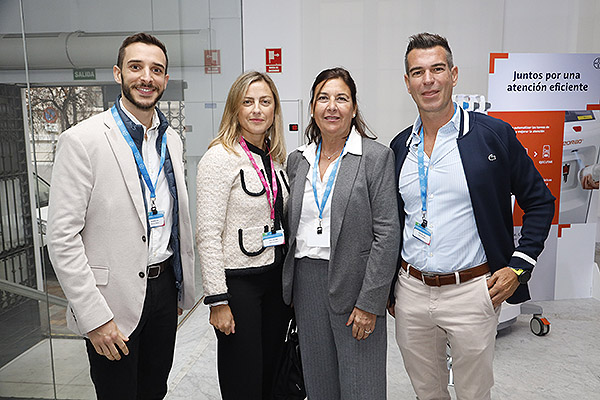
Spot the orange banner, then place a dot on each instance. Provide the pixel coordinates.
(541, 133)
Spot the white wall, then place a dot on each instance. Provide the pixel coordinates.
(369, 38)
(279, 27)
(274, 24)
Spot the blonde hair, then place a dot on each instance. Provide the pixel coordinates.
(230, 130)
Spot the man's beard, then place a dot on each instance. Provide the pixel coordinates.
(126, 90)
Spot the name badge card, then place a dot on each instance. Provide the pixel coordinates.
(271, 239)
(422, 233)
(315, 239)
(156, 220)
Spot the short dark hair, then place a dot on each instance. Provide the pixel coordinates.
(141, 37)
(427, 40)
(313, 133)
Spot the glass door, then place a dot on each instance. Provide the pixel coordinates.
(56, 71)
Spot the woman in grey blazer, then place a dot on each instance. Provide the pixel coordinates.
(343, 245)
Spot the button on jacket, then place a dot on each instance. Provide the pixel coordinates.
(97, 226)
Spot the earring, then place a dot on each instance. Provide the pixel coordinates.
(353, 115)
(311, 115)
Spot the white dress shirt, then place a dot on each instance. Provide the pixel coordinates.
(310, 213)
(455, 243)
(158, 246)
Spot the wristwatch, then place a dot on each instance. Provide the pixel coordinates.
(523, 275)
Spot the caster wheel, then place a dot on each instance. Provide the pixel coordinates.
(539, 326)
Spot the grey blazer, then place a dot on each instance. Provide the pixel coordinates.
(365, 230)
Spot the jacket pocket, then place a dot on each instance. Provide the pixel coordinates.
(250, 240)
(489, 305)
(243, 182)
(101, 275)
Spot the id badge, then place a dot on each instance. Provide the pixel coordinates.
(271, 239)
(422, 233)
(156, 220)
(315, 239)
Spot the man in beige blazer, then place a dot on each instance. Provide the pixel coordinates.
(119, 231)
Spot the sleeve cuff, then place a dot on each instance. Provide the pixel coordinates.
(210, 300)
(521, 260)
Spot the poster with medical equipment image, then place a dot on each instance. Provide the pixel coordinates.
(553, 103)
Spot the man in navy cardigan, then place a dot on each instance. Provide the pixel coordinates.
(456, 172)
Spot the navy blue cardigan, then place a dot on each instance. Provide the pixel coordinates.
(137, 134)
(496, 165)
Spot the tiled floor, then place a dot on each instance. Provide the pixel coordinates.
(30, 375)
(563, 365)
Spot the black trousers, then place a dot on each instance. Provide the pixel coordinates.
(247, 359)
(143, 373)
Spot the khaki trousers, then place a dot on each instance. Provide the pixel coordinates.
(427, 317)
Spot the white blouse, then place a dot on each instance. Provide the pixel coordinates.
(309, 218)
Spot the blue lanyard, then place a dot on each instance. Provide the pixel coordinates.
(139, 160)
(423, 173)
(330, 181)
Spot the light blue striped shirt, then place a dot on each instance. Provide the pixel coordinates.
(455, 243)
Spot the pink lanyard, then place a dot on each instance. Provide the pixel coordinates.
(271, 195)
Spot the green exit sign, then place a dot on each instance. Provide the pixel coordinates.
(84, 74)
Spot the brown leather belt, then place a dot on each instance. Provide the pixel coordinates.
(155, 270)
(446, 279)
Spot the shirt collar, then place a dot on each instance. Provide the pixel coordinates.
(155, 119)
(353, 146)
(452, 127)
(257, 150)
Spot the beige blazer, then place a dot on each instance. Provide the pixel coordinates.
(97, 226)
(232, 212)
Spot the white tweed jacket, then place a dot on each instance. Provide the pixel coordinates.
(232, 212)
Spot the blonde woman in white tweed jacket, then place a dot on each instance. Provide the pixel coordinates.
(240, 237)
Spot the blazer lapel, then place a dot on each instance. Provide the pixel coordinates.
(298, 191)
(341, 194)
(127, 165)
(175, 152)
(400, 151)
